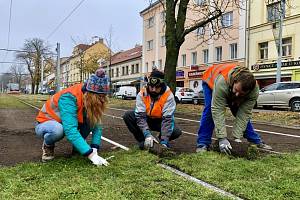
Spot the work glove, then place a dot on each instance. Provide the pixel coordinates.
(225, 146)
(165, 143)
(149, 140)
(96, 159)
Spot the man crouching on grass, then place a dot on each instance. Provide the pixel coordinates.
(155, 107)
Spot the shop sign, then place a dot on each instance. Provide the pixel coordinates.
(179, 74)
(195, 74)
(257, 67)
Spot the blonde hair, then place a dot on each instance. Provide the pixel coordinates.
(95, 105)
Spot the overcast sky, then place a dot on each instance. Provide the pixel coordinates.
(38, 18)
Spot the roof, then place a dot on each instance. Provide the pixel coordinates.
(82, 47)
(150, 6)
(130, 54)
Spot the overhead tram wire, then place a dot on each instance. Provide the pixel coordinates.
(61, 23)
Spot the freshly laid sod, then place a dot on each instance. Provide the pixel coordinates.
(271, 177)
(130, 175)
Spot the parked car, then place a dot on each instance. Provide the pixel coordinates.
(126, 92)
(184, 95)
(283, 94)
(198, 98)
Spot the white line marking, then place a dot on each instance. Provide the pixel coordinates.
(200, 182)
(258, 130)
(115, 143)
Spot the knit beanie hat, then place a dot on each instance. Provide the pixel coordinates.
(156, 78)
(98, 82)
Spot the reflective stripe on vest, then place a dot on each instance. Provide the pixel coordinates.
(157, 107)
(50, 109)
(210, 75)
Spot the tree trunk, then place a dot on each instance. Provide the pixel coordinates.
(170, 66)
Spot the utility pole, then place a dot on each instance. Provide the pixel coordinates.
(279, 48)
(42, 75)
(57, 78)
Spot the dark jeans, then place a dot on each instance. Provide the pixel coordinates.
(154, 125)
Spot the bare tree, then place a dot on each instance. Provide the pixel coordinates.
(34, 50)
(18, 72)
(205, 14)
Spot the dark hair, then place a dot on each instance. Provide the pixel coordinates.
(247, 80)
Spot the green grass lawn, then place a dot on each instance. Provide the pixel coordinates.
(270, 177)
(130, 175)
(136, 175)
(7, 101)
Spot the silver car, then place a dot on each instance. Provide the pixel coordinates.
(282, 94)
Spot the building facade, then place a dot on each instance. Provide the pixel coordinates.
(125, 68)
(195, 55)
(262, 47)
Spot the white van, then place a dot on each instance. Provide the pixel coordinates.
(126, 92)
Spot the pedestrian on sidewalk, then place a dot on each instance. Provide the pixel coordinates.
(233, 86)
(75, 112)
(154, 111)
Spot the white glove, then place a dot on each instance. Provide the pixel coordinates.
(149, 141)
(97, 160)
(225, 146)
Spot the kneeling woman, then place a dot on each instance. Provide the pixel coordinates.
(75, 112)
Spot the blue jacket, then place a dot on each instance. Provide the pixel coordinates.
(68, 113)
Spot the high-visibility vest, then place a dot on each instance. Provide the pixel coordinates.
(210, 75)
(157, 108)
(50, 110)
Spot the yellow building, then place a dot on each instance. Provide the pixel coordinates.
(84, 61)
(262, 52)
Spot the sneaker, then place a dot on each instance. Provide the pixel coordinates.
(201, 148)
(263, 145)
(48, 152)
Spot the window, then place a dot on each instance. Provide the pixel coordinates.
(112, 73)
(132, 69)
(153, 64)
(183, 59)
(233, 51)
(137, 70)
(227, 19)
(200, 31)
(287, 46)
(149, 45)
(205, 55)
(200, 2)
(123, 71)
(163, 41)
(270, 87)
(163, 16)
(150, 22)
(263, 50)
(160, 64)
(147, 67)
(194, 58)
(218, 53)
(273, 11)
(117, 72)
(127, 70)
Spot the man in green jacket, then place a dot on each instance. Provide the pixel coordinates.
(235, 87)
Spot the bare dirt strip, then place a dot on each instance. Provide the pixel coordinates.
(18, 142)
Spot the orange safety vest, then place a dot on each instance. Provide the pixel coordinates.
(210, 75)
(50, 109)
(156, 110)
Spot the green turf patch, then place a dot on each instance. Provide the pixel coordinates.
(10, 101)
(130, 175)
(271, 177)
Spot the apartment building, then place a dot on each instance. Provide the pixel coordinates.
(126, 68)
(194, 55)
(262, 48)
